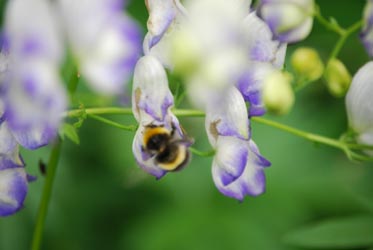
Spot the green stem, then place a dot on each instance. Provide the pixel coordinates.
(197, 113)
(114, 124)
(309, 136)
(47, 192)
(99, 111)
(127, 111)
(343, 37)
(328, 24)
(202, 153)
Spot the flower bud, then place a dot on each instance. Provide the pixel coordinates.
(307, 63)
(278, 95)
(337, 77)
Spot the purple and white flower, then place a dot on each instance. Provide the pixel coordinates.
(238, 167)
(13, 178)
(104, 41)
(359, 104)
(151, 104)
(13, 189)
(367, 32)
(33, 95)
(266, 56)
(289, 20)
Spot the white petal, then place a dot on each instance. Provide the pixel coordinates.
(161, 14)
(359, 101)
(35, 102)
(41, 36)
(105, 42)
(150, 89)
(261, 46)
(13, 190)
(8, 143)
(250, 182)
(227, 116)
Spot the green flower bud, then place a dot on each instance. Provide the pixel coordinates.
(307, 64)
(337, 77)
(278, 96)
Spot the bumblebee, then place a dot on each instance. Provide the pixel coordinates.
(171, 153)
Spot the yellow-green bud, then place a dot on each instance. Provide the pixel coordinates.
(337, 77)
(278, 96)
(307, 63)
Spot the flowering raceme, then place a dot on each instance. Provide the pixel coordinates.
(105, 43)
(212, 46)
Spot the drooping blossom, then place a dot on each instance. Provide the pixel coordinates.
(290, 20)
(13, 177)
(238, 167)
(151, 104)
(104, 41)
(33, 95)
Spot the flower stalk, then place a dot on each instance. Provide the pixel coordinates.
(347, 147)
(46, 195)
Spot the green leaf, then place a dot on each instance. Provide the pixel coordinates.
(70, 132)
(342, 233)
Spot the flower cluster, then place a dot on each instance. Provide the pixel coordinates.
(228, 54)
(104, 43)
(224, 53)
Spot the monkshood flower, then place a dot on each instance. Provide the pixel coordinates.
(34, 98)
(13, 178)
(104, 41)
(266, 57)
(162, 13)
(367, 32)
(160, 144)
(289, 20)
(164, 19)
(359, 104)
(238, 167)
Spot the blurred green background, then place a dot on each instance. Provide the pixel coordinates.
(102, 200)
